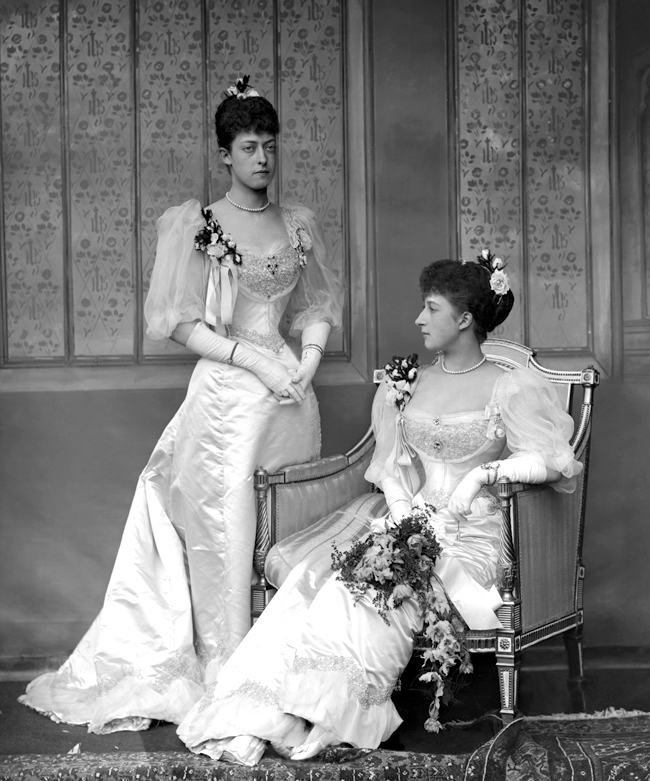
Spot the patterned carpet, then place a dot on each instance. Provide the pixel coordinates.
(614, 746)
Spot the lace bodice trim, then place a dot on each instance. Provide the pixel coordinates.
(445, 441)
(276, 274)
(272, 276)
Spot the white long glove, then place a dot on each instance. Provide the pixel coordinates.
(272, 373)
(313, 334)
(520, 469)
(399, 504)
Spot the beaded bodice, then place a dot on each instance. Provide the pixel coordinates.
(265, 283)
(270, 276)
(445, 441)
(448, 447)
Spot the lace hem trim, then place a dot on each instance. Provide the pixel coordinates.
(273, 342)
(366, 694)
(252, 690)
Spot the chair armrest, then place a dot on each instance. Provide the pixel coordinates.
(540, 556)
(298, 495)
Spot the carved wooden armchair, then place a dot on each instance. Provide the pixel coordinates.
(541, 572)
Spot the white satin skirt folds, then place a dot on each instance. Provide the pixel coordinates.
(178, 601)
(313, 656)
(316, 656)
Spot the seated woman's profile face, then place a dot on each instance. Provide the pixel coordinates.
(439, 322)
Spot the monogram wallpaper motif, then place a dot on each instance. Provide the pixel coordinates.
(101, 164)
(556, 169)
(525, 197)
(32, 188)
(171, 124)
(311, 96)
(137, 129)
(489, 113)
(242, 41)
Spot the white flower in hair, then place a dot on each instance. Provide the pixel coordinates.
(499, 282)
(241, 90)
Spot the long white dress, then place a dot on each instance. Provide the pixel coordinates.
(314, 656)
(178, 600)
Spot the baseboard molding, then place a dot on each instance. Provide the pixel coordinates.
(24, 668)
(553, 657)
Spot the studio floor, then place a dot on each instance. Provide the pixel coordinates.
(618, 678)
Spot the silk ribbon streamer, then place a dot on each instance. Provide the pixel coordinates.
(402, 455)
(222, 293)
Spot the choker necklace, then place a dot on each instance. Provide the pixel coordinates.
(460, 371)
(248, 208)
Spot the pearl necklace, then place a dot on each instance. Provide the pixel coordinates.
(460, 371)
(248, 208)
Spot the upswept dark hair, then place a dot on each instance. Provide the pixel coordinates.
(467, 288)
(244, 115)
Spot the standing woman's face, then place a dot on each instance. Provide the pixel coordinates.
(252, 159)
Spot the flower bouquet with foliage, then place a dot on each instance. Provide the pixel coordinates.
(397, 564)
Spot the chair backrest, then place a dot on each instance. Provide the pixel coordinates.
(511, 355)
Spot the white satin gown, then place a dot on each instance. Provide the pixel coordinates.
(178, 600)
(314, 656)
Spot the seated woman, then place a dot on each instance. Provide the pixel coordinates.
(319, 666)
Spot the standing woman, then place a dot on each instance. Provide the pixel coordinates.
(225, 280)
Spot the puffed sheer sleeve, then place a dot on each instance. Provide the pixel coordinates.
(180, 274)
(536, 425)
(318, 296)
(392, 460)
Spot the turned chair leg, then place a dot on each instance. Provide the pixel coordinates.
(573, 645)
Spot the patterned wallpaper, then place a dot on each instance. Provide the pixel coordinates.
(102, 134)
(522, 159)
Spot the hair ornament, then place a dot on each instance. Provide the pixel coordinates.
(499, 281)
(241, 90)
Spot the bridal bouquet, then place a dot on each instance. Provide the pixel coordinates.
(397, 564)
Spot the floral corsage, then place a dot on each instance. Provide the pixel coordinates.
(397, 564)
(400, 374)
(215, 242)
(499, 281)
